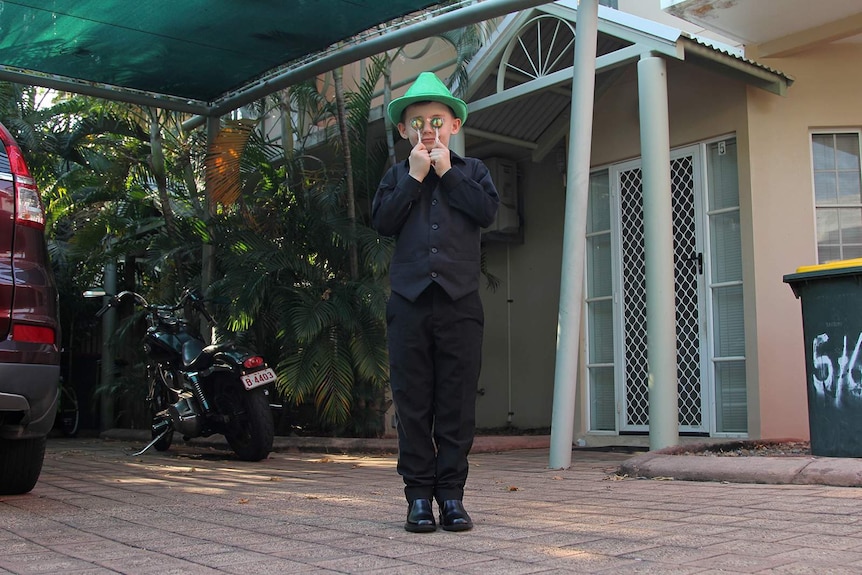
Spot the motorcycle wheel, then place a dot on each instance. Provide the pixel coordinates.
(250, 428)
(158, 408)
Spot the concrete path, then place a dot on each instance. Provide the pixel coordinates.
(663, 464)
(196, 509)
(837, 471)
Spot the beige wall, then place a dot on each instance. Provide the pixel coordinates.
(533, 269)
(777, 218)
(776, 199)
(703, 105)
(824, 95)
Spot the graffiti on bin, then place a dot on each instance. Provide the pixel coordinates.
(829, 385)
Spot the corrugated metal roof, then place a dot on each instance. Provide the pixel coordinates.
(736, 54)
(529, 105)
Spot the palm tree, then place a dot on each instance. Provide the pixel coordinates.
(344, 132)
(286, 252)
(116, 187)
(300, 272)
(300, 261)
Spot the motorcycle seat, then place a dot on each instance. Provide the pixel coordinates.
(197, 355)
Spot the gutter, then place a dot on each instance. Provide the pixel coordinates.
(748, 71)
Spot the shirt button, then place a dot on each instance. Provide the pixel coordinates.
(434, 226)
(433, 202)
(433, 274)
(433, 250)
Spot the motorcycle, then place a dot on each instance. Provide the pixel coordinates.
(199, 390)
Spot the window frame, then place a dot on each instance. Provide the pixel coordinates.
(834, 132)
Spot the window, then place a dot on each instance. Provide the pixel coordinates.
(600, 313)
(837, 195)
(725, 288)
(709, 314)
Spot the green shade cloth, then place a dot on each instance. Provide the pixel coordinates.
(196, 50)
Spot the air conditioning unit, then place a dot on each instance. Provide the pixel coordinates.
(505, 177)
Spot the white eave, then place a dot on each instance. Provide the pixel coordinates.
(734, 64)
(647, 37)
(531, 111)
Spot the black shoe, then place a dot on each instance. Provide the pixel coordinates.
(420, 517)
(453, 516)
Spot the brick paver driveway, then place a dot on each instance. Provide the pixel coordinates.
(97, 509)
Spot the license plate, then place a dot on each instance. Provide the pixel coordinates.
(258, 378)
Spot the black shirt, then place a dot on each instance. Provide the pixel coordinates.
(437, 224)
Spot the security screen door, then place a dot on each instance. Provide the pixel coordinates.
(688, 259)
(708, 322)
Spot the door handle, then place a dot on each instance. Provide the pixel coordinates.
(698, 257)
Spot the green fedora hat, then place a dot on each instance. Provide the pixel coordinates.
(427, 88)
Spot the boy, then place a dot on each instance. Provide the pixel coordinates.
(435, 203)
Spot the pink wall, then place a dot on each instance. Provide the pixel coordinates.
(825, 95)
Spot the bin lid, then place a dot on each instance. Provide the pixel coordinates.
(837, 268)
(834, 265)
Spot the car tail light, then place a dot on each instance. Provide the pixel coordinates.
(32, 333)
(251, 362)
(28, 204)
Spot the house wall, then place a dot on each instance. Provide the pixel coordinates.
(825, 94)
(530, 277)
(651, 9)
(702, 105)
(777, 228)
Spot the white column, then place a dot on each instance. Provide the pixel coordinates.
(658, 245)
(574, 236)
(456, 143)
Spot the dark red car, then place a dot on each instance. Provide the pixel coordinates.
(29, 326)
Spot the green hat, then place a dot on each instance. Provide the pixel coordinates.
(427, 87)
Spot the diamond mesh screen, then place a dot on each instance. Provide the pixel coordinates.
(686, 272)
(634, 298)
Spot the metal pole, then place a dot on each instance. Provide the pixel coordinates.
(109, 326)
(207, 249)
(658, 246)
(457, 18)
(574, 236)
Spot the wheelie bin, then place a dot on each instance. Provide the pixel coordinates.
(831, 299)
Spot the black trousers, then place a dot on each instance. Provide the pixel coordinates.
(435, 353)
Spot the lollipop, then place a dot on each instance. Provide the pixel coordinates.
(437, 123)
(417, 124)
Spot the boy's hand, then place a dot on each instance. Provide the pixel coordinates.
(420, 162)
(440, 158)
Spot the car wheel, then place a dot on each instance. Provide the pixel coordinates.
(20, 464)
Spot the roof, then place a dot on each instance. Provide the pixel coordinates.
(774, 28)
(520, 82)
(208, 56)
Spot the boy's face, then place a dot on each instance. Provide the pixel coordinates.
(433, 120)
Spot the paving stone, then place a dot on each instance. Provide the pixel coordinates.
(196, 510)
